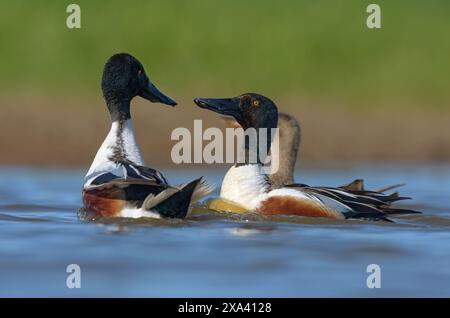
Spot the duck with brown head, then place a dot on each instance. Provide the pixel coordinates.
(118, 184)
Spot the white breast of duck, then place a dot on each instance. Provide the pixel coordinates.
(244, 185)
(248, 186)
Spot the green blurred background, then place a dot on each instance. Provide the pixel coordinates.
(306, 54)
(278, 47)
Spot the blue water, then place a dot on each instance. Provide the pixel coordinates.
(220, 255)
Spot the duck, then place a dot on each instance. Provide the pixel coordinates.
(118, 183)
(247, 187)
(289, 130)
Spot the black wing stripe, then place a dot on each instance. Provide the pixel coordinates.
(346, 198)
(104, 178)
(141, 172)
(354, 205)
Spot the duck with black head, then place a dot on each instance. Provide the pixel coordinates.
(118, 184)
(289, 134)
(249, 187)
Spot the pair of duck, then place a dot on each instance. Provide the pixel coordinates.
(118, 184)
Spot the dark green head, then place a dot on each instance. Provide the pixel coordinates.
(250, 110)
(124, 78)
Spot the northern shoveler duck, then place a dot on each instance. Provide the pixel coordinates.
(118, 184)
(290, 138)
(249, 188)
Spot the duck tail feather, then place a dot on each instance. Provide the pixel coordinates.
(395, 186)
(173, 204)
(202, 190)
(355, 185)
(391, 211)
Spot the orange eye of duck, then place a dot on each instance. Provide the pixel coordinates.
(256, 103)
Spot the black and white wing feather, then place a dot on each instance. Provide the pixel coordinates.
(358, 202)
(123, 174)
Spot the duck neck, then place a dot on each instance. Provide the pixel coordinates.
(289, 135)
(119, 145)
(122, 142)
(119, 108)
(256, 146)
